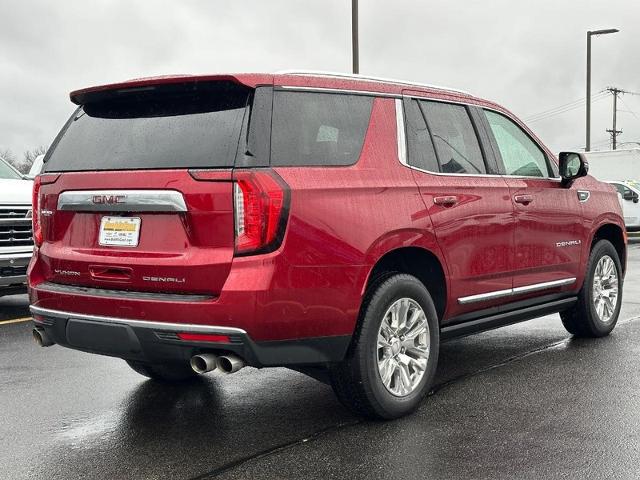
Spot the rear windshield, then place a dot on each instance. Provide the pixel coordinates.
(191, 126)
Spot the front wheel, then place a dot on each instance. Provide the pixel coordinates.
(391, 364)
(595, 314)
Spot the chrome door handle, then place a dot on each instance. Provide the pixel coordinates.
(523, 199)
(446, 200)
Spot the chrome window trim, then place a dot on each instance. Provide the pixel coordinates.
(401, 133)
(173, 327)
(335, 90)
(134, 201)
(367, 78)
(535, 287)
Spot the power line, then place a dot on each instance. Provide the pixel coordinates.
(629, 109)
(564, 108)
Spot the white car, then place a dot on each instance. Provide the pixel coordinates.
(16, 237)
(630, 192)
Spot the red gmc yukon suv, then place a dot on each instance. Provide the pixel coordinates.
(342, 226)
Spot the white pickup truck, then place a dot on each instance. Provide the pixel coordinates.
(16, 242)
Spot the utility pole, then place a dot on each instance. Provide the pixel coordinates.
(614, 133)
(354, 36)
(589, 35)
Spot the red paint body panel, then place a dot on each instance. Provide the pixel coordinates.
(341, 221)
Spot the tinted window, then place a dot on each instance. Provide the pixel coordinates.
(520, 155)
(318, 128)
(454, 137)
(195, 128)
(419, 145)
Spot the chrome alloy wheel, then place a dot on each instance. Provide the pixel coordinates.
(403, 347)
(605, 288)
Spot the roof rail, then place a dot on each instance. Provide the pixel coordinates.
(354, 76)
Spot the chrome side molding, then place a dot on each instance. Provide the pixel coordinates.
(122, 201)
(483, 297)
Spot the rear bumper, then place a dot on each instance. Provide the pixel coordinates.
(152, 341)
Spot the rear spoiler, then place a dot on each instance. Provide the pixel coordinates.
(140, 85)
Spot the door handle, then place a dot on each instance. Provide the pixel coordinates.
(446, 200)
(523, 199)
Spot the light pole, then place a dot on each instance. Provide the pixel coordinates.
(354, 36)
(589, 35)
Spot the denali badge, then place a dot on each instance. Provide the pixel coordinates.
(108, 199)
(71, 273)
(568, 243)
(163, 279)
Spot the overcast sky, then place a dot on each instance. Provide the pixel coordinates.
(528, 56)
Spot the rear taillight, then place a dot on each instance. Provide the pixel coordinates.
(35, 212)
(261, 206)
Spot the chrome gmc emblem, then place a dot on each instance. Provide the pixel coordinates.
(108, 199)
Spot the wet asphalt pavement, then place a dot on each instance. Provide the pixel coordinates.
(526, 401)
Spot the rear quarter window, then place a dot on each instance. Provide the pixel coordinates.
(321, 129)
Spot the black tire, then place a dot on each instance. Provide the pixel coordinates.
(356, 380)
(582, 320)
(164, 372)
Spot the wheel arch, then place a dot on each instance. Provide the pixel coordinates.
(414, 260)
(617, 236)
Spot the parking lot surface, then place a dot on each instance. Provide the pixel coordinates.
(526, 401)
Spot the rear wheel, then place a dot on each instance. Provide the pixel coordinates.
(163, 372)
(392, 361)
(595, 314)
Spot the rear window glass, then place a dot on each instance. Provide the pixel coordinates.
(197, 126)
(318, 128)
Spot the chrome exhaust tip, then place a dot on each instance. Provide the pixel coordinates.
(230, 363)
(41, 338)
(203, 363)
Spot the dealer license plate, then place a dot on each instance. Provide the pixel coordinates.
(119, 231)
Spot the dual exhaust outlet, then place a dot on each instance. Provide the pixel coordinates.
(203, 363)
(207, 362)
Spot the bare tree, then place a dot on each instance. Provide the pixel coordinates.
(29, 157)
(7, 155)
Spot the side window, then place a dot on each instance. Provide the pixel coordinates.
(318, 128)
(520, 155)
(419, 145)
(454, 137)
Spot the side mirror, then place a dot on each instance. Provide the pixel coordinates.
(628, 195)
(635, 197)
(572, 165)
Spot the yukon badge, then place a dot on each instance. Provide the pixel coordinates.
(68, 273)
(568, 243)
(108, 199)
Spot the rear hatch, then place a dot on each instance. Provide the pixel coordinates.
(137, 190)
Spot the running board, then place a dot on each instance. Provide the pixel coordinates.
(498, 320)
